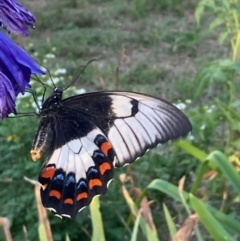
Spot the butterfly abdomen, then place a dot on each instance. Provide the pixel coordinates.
(43, 139)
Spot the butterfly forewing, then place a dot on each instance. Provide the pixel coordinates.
(91, 134)
(132, 122)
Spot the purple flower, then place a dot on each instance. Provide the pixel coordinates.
(7, 96)
(16, 65)
(15, 18)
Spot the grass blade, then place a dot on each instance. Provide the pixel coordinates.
(67, 238)
(201, 171)
(230, 224)
(211, 224)
(150, 234)
(97, 223)
(192, 150)
(226, 168)
(170, 223)
(136, 225)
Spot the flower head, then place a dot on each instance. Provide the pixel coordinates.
(7, 96)
(16, 65)
(15, 18)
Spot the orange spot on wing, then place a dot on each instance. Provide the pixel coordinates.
(105, 147)
(68, 201)
(104, 167)
(81, 196)
(55, 193)
(48, 172)
(94, 182)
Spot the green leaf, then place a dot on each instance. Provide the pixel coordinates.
(222, 37)
(228, 111)
(150, 234)
(170, 223)
(97, 223)
(67, 238)
(215, 23)
(226, 63)
(42, 232)
(202, 85)
(167, 188)
(226, 4)
(199, 10)
(236, 199)
(230, 224)
(201, 171)
(225, 112)
(194, 151)
(135, 229)
(211, 224)
(226, 168)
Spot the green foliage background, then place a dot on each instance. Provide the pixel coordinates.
(160, 50)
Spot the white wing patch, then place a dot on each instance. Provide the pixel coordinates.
(142, 125)
(88, 145)
(153, 117)
(86, 158)
(146, 122)
(76, 155)
(118, 143)
(128, 136)
(139, 131)
(120, 105)
(80, 169)
(75, 145)
(63, 158)
(71, 166)
(55, 157)
(92, 134)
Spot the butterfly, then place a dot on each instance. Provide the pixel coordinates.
(84, 137)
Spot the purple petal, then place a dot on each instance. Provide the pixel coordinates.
(16, 64)
(15, 18)
(7, 97)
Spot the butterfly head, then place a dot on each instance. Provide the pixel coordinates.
(58, 90)
(53, 102)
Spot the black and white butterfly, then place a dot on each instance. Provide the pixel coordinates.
(85, 136)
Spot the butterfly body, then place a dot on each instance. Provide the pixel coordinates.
(85, 136)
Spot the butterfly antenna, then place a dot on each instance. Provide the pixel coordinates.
(50, 77)
(19, 115)
(44, 86)
(34, 97)
(84, 67)
(39, 80)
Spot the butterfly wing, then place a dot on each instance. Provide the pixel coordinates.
(132, 122)
(92, 133)
(79, 162)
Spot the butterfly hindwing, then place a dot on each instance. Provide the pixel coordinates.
(86, 136)
(76, 172)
